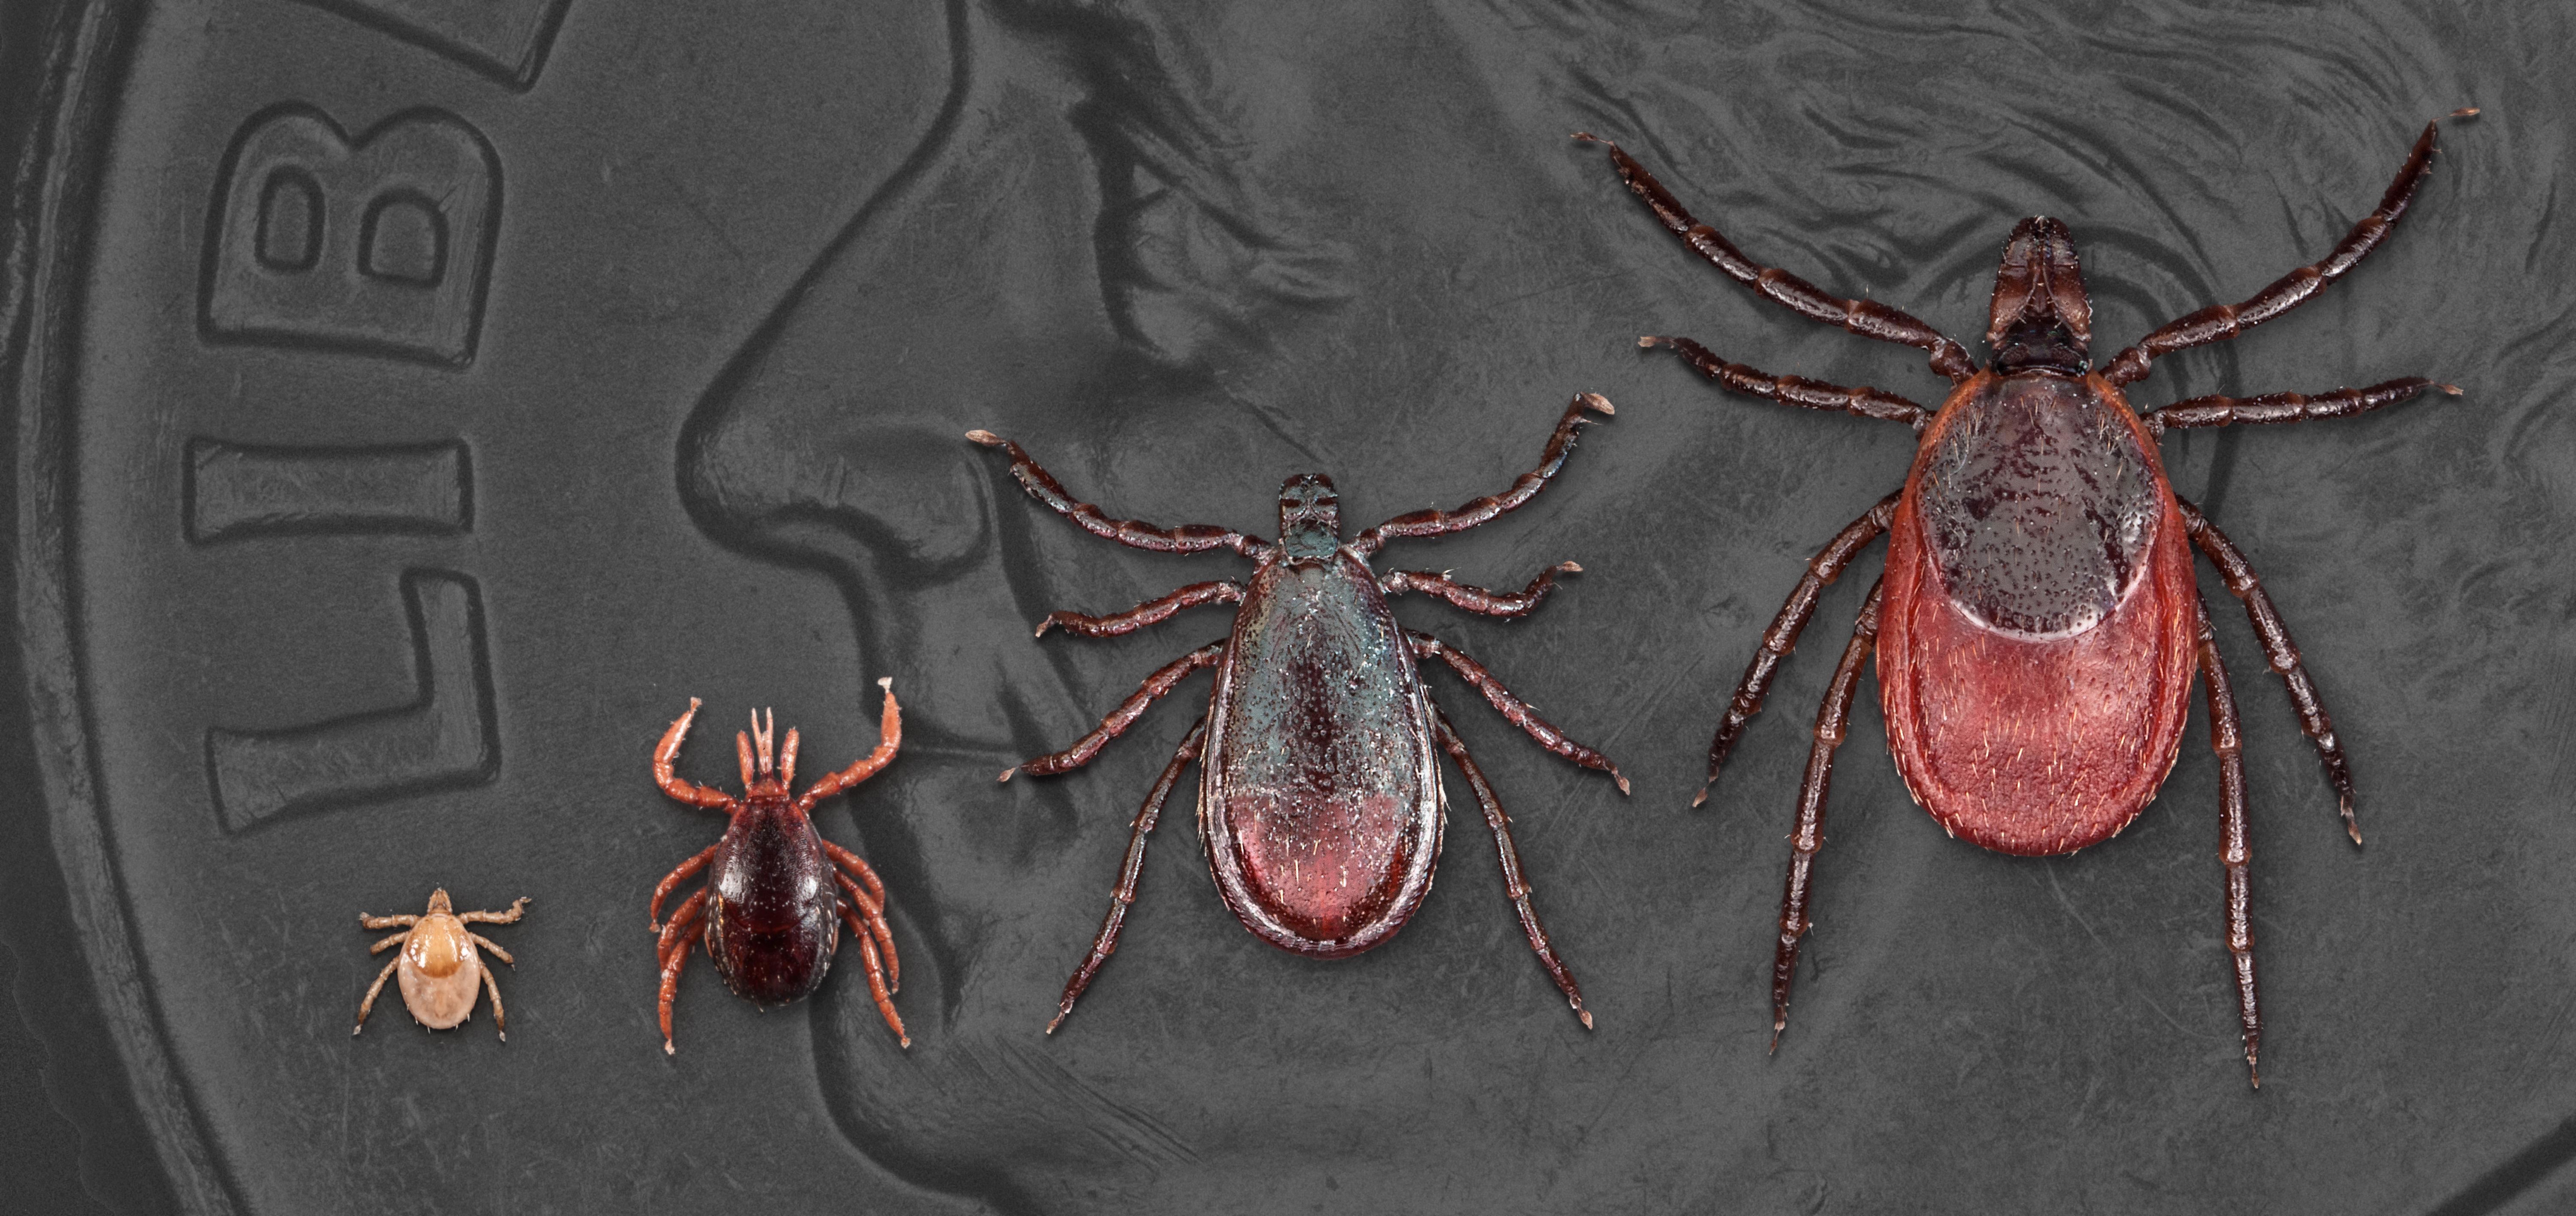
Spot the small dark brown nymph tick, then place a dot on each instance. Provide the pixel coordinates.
(2038, 625)
(780, 892)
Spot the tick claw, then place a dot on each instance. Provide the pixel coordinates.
(1616, 775)
(987, 438)
(1700, 797)
(1006, 773)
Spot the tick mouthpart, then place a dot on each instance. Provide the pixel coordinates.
(2041, 318)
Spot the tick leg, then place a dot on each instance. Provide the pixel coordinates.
(1151, 612)
(2286, 407)
(1810, 833)
(1129, 873)
(517, 909)
(2279, 651)
(889, 740)
(667, 751)
(859, 866)
(1524, 488)
(372, 989)
(1123, 717)
(1511, 707)
(394, 940)
(490, 948)
(2236, 852)
(1782, 637)
(876, 975)
(873, 912)
(671, 881)
(1188, 538)
(2219, 322)
(685, 915)
(671, 964)
(1514, 887)
(1477, 599)
(493, 987)
(1796, 390)
(1868, 318)
(386, 922)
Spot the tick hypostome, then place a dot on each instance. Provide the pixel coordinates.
(441, 974)
(2038, 624)
(1320, 800)
(777, 893)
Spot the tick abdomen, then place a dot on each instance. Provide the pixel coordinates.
(770, 925)
(1319, 799)
(441, 976)
(2034, 659)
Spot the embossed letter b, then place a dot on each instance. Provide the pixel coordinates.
(381, 244)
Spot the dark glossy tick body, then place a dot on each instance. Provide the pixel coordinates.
(776, 893)
(1319, 797)
(2038, 625)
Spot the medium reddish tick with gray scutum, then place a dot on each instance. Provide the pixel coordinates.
(2038, 624)
(770, 911)
(1319, 797)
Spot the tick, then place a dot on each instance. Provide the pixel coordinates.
(439, 969)
(2038, 623)
(1320, 802)
(780, 891)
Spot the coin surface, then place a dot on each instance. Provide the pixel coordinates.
(417, 402)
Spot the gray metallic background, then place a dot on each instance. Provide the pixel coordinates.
(756, 268)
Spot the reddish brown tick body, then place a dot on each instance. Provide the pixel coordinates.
(777, 893)
(2038, 624)
(1320, 800)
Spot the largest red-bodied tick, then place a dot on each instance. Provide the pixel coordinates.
(2038, 624)
(1319, 798)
